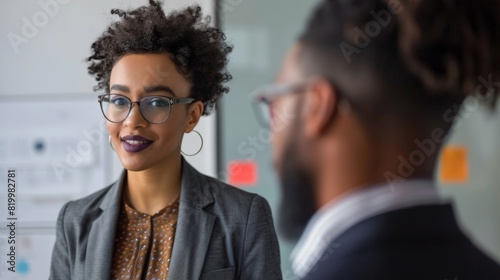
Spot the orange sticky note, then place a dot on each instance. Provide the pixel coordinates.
(242, 173)
(454, 165)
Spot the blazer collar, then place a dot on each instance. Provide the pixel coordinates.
(195, 190)
(100, 244)
(192, 237)
(113, 196)
(194, 225)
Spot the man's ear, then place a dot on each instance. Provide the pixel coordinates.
(320, 105)
(195, 111)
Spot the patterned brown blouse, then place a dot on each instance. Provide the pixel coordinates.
(143, 243)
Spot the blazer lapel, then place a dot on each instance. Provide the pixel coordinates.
(100, 245)
(194, 226)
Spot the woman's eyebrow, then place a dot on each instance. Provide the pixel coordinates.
(121, 88)
(151, 89)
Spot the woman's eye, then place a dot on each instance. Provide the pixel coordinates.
(159, 102)
(119, 101)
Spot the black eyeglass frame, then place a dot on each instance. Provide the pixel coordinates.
(269, 93)
(172, 101)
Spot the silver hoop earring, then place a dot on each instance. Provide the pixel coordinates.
(199, 150)
(111, 144)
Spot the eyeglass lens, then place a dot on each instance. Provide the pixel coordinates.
(155, 109)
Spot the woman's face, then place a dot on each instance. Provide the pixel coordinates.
(139, 144)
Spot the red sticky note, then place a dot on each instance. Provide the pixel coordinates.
(242, 173)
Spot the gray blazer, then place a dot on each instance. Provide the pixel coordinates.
(222, 233)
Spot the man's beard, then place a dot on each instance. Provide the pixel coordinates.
(297, 201)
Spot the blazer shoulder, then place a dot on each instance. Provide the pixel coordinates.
(229, 193)
(239, 209)
(247, 219)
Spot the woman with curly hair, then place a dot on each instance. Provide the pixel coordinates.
(162, 218)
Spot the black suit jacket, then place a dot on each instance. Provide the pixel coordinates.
(421, 243)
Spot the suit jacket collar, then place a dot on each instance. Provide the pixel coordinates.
(192, 237)
(194, 226)
(100, 244)
(195, 189)
(338, 216)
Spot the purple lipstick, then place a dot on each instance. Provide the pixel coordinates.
(135, 143)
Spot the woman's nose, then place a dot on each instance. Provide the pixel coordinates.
(135, 118)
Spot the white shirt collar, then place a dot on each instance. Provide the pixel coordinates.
(336, 217)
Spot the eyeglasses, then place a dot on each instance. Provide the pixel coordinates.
(263, 98)
(154, 109)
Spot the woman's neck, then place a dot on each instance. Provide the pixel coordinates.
(151, 190)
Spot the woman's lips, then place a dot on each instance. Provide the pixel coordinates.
(135, 143)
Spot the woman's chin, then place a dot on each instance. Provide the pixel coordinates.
(134, 169)
(143, 161)
(135, 166)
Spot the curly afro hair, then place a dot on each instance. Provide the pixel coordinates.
(198, 50)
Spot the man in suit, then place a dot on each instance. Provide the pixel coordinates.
(359, 112)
